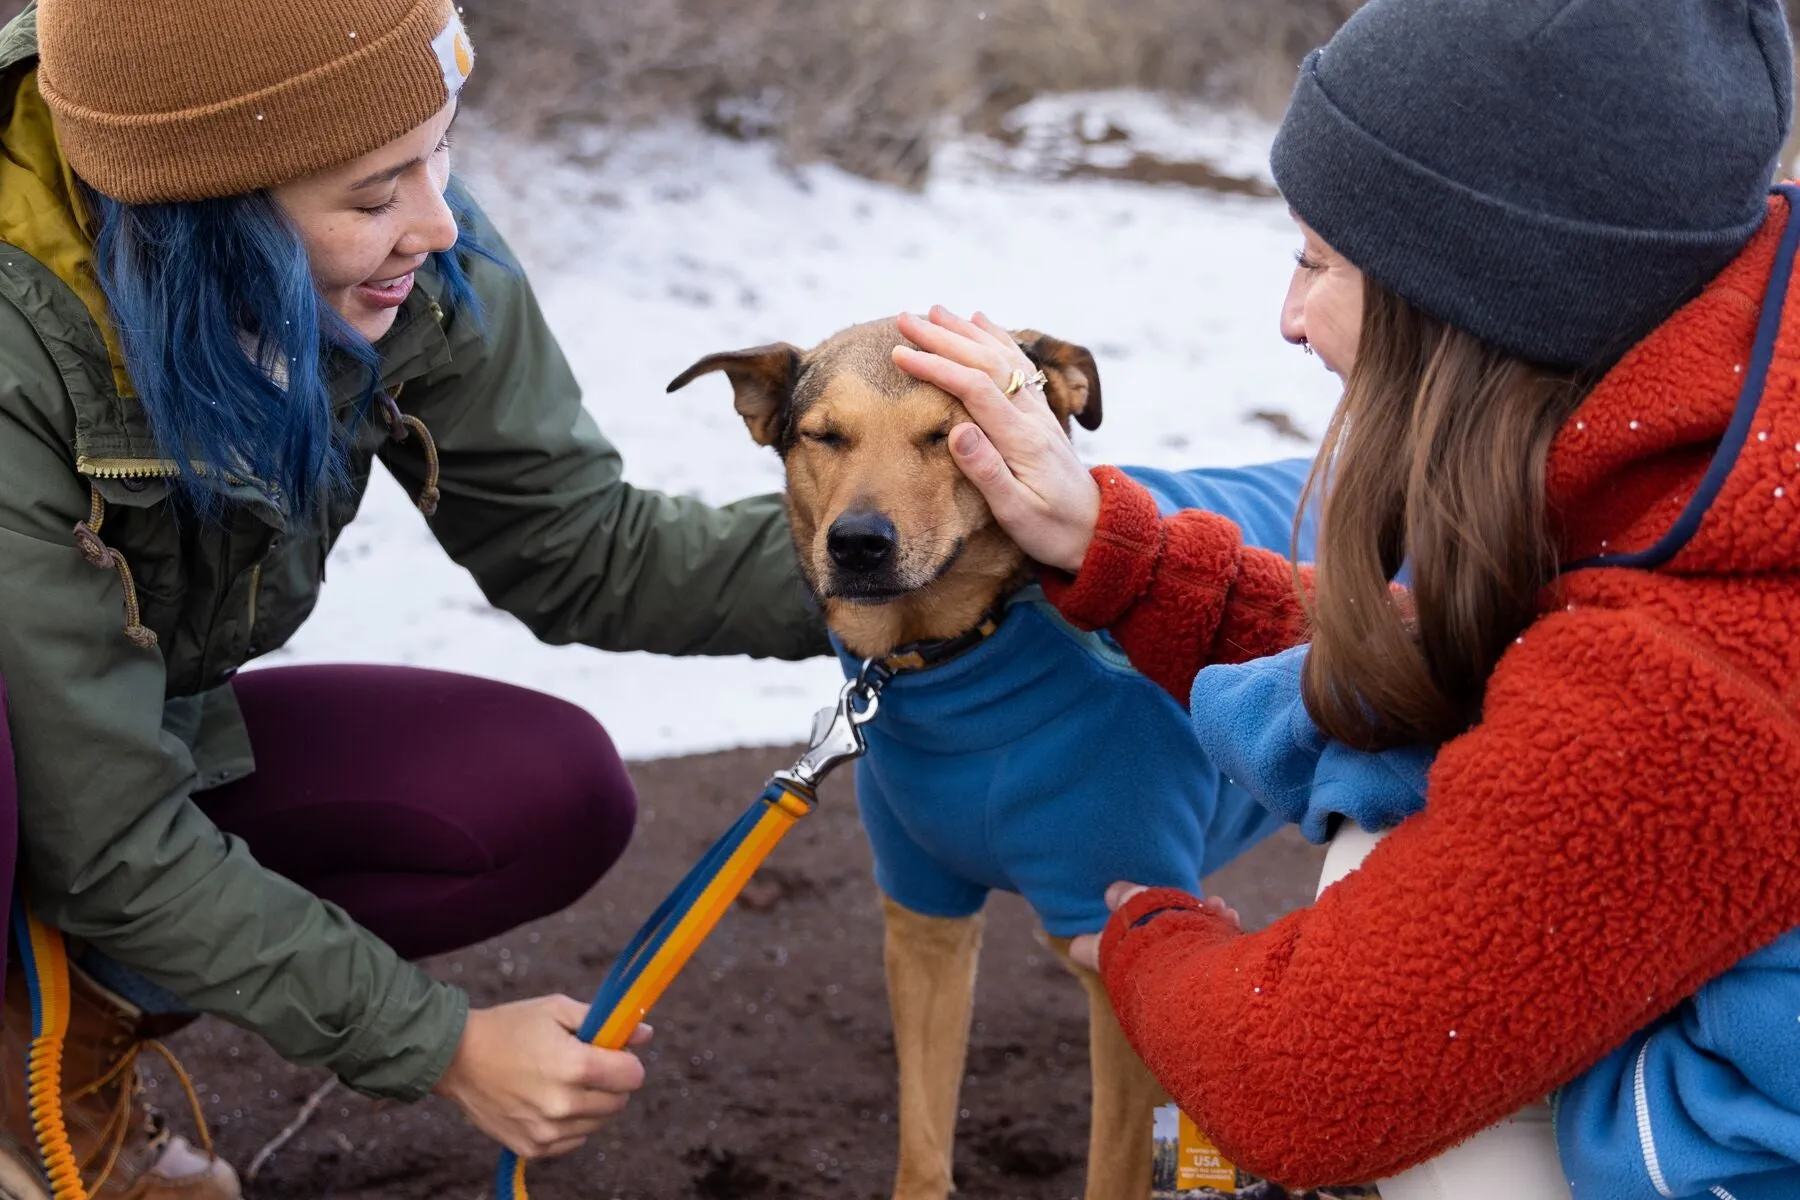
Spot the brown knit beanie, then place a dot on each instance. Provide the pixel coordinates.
(166, 100)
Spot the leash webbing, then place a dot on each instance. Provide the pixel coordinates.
(665, 942)
(45, 961)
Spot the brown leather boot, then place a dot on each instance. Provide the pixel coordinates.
(125, 1149)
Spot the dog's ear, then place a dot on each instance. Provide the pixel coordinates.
(1074, 388)
(762, 379)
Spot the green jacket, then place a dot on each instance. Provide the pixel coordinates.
(113, 735)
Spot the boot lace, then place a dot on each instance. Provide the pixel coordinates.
(117, 1130)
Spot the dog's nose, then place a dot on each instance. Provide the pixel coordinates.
(861, 541)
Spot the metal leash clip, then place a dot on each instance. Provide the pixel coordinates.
(837, 729)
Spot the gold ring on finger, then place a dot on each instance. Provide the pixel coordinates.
(1020, 379)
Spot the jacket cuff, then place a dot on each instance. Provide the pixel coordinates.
(409, 1044)
(1120, 560)
(1147, 918)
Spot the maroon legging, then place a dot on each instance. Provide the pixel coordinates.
(437, 809)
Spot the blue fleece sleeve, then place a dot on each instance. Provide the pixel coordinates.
(1704, 1102)
(1249, 717)
(1260, 500)
(1251, 722)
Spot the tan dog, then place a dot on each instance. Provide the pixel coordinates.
(900, 548)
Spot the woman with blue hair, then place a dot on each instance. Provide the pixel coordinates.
(235, 271)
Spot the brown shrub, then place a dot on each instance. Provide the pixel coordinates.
(870, 84)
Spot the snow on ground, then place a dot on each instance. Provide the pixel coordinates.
(651, 250)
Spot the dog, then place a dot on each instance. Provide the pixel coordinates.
(1012, 750)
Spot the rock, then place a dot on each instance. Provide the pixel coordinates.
(1032, 1150)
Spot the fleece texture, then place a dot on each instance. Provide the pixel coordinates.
(1620, 827)
(983, 773)
(1253, 725)
(1703, 1102)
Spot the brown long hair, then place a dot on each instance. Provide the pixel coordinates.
(1435, 458)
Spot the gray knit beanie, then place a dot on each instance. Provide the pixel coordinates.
(1555, 177)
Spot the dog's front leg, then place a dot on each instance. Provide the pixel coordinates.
(931, 990)
(1122, 1118)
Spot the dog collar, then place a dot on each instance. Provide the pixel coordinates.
(922, 656)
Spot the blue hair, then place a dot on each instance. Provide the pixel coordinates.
(209, 298)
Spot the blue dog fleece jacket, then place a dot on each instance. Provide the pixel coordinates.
(1041, 763)
(1703, 1102)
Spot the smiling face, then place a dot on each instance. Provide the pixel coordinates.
(894, 541)
(369, 224)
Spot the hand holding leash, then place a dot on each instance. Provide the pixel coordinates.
(1016, 452)
(522, 1080)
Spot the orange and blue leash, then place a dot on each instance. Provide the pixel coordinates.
(665, 943)
(45, 961)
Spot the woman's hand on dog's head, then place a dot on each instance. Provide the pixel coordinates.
(1086, 948)
(1016, 452)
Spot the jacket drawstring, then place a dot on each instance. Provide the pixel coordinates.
(87, 540)
(87, 533)
(399, 425)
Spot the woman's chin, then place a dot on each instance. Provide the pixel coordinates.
(372, 323)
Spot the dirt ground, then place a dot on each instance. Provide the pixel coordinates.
(771, 1073)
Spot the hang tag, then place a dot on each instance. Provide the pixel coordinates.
(1187, 1166)
(1187, 1163)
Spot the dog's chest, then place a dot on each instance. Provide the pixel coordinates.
(1029, 742)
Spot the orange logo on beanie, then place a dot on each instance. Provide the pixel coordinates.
(454, 55)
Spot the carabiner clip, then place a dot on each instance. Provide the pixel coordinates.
(837, 730)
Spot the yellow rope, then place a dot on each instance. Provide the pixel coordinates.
(49, 963)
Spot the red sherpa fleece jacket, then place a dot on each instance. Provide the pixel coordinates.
(1622, 825)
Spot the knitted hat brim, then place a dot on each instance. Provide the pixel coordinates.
(1555, 291)
(324, 117)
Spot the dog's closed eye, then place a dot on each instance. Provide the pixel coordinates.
(831, 439)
